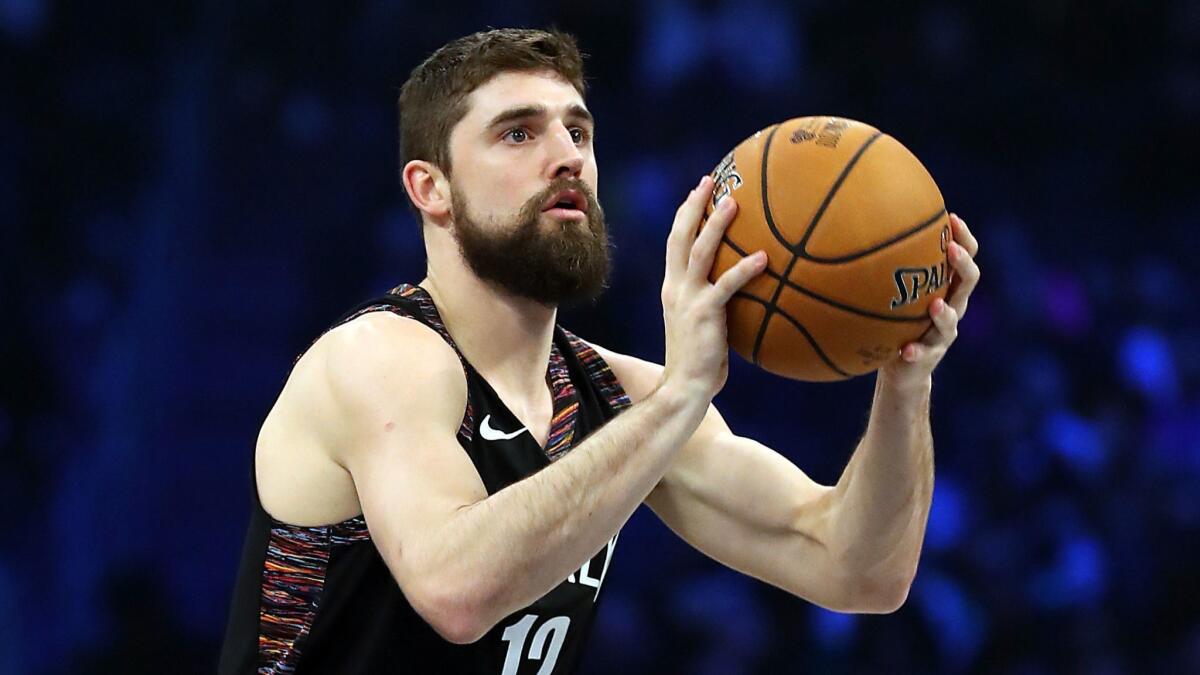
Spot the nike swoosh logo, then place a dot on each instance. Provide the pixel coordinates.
(490, 433)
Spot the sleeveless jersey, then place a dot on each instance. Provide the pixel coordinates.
(321, 600)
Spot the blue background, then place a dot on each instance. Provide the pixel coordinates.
(192, 191)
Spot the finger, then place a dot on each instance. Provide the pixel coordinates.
(705, 249)
(915, 352)
(945, 319)
(739, 275)
(912, 352)
(943, 331)
(962, 234)
(967, 271)
(683, 230)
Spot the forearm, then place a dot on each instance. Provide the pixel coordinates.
(519, 543)
(883, 497)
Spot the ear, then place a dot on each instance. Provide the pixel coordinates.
(427, 187)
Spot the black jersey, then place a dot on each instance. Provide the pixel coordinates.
(321, 600)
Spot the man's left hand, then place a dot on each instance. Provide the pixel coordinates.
(918, 359)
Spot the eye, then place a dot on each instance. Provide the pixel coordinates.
(579, 134)
(516, 135)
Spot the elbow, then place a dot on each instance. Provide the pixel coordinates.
(875, 595)
(889, 599)
(875, 587)
(459, 628)
(456, 614)
(858, 594)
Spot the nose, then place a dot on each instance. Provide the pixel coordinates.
(565, 157)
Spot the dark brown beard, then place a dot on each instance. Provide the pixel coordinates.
(568, 265)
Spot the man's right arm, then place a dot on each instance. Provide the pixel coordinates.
(464, 559)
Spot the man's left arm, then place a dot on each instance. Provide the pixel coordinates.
(886, 490)
(851, 547)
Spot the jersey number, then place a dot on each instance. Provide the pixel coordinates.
(554, 631)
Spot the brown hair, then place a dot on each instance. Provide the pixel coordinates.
(433, 99)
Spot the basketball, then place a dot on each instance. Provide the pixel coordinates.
(855, 232)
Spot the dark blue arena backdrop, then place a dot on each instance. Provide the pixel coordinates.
(192, 191)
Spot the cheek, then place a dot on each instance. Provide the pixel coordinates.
(494, 199)
(591, 176)
(507, 187)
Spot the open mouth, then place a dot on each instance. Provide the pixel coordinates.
(567, 203)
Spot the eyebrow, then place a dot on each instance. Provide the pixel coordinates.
(526, 111)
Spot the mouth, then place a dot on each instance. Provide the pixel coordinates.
(566, 204)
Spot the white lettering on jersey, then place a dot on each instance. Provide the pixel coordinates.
(553, 630)
(584, 574)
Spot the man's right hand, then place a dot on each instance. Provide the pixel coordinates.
(697, 342)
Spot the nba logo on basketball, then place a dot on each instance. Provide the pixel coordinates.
(726, 178)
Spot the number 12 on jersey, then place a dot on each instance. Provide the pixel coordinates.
(554, 630)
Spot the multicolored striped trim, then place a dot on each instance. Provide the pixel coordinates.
(599, 372)
(292, 581)
(566, 406)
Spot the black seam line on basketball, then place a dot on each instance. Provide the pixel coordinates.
(746, 296)
(874, 249)
(851, 309)
(817, 296)
(803, 244)
(738, 250)
(771, 309)
(816, 347)
(766, 205)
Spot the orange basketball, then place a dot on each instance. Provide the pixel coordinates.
(855, 231)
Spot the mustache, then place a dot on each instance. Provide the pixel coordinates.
(533, 207)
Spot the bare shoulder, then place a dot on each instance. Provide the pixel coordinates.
(379, 372)
(382, 368)
(638, 377)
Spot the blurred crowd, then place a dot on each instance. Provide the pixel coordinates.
(192, 191)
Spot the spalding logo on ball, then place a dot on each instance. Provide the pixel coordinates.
(855, 232)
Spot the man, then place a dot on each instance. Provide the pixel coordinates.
(444, 475)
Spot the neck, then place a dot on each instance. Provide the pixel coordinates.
(505, 337)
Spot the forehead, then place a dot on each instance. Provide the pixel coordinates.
(520, 88)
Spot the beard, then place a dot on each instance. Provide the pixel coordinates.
(568, 264)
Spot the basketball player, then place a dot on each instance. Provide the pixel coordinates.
(441, 483)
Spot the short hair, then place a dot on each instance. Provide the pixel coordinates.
(433, 100)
